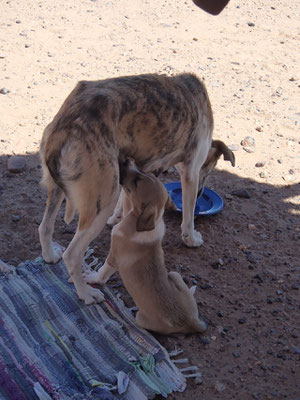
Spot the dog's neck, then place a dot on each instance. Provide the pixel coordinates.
(128, 228)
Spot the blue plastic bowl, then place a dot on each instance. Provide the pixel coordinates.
(208, 204)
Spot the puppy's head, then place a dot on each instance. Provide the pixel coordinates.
(217, 149)
(147, 194)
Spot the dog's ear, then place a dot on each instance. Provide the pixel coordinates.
(146, 220)
(221, 148)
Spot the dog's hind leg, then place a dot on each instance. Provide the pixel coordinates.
(93, 215)
(51, 252)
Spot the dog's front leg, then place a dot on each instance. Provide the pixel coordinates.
(189, 184)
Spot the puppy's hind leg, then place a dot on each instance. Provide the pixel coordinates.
(51, 252)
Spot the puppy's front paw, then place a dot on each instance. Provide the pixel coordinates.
(91, 295)
(92, 277)
(193, 239)
(54, 253)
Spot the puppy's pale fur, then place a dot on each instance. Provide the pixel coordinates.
(165, 303)
(156, 120)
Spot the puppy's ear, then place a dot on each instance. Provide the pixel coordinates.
(221, 148)
(146, 220)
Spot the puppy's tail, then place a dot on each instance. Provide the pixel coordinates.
(70, 211)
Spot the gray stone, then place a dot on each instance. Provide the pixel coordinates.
(260, 164)
(4, 91)
(234, 147)
(243, 193)
(16, 164)
(251, 24)
(248, 141)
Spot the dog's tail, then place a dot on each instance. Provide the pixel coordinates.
(70, 210)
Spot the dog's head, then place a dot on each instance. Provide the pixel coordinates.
(147, 194)
(217, 149)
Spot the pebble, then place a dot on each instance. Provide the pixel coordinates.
(205, 340)
(242, 193)
(234, 147)
(248, 141)
(4, 91)
(2, 55)
(24, 33)
(220, 387)
(248, 149)
(251, 24)
(295, 349)
(18, 21)
(260, 164)
(27, 45)
(270, 300)
(263, 174)
(242, 320)
(251, 227)
(280, 161)
(198, 380)
(16, 164)
(259, 129)
(236, 354)
(15, 218)
(289, 178)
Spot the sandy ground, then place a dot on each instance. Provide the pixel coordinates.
(247, 271)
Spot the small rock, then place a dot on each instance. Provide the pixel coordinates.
(295, 349)
(205, 340)
(18, 21)
(292, 79)
(83, 64)
(280, 161)
(15, 218)
(242, 320)
(243, 193)
(251, 227)
(260, 164)
(198, 380)
(4, 91)
(195, 39)
(263, 174)
(251, 24)
(24, 33)
(248, 141)
(259, 129)
(248, 149)
(220, 387)
(2, 55)
(205, 286)
(16, 164)
(289, 178)
(270, 300)
(236, 354)
(234, 147)
(27, 45)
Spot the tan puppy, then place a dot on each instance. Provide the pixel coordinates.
(156, 120)
(165, 303)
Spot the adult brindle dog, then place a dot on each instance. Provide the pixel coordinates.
(156, 120)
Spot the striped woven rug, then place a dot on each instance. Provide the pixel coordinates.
(52, 346)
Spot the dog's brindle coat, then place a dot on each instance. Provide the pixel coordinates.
(158, 121)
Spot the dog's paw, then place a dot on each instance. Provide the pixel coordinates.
(92, 277)
(54, 253)
(193, 239)
(91, 295)
(114, 220)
